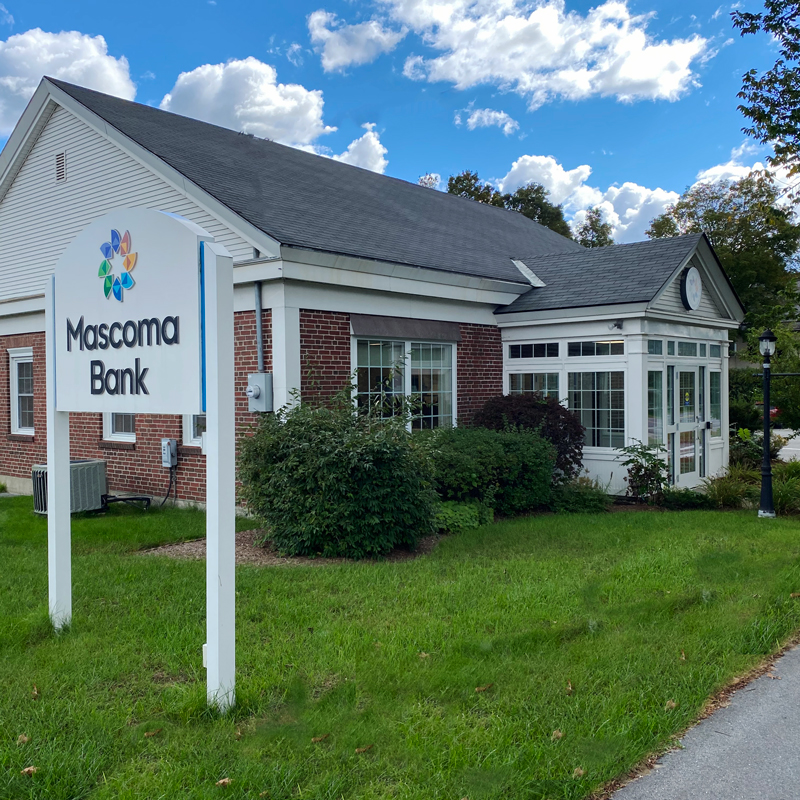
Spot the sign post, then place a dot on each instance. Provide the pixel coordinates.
(139, 320)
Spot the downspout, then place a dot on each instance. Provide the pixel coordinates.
(259, 328)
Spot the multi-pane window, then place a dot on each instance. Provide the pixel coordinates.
(595, 348)
(21, 369)
(687, 349)
(715, 350)
(655, 347)
(599, 400)
(194, 426)
(655, 407)
(546, 383)
(670, 348)
(670, 395)
(702, 351)
(388, 371)
(540, 350)
(123, 424)
(715, 402)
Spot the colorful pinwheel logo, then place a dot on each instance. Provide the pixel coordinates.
(117, 246)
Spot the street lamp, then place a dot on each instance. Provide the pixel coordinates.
(766, 346)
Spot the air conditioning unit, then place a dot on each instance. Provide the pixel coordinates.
(87, 485)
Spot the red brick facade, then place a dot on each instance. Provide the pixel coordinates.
(325, 347)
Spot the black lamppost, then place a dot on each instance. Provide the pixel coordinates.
(766, 345)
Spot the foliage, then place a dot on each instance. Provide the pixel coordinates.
(648, 475)
(330, 482)
(430, 180)
(727, 492)
(3, 488)
(771, 100)
(510, 471)
(531, 411)
(593, 232)
(743, 413)
(455, 517)
(581, 495)
(784, 470)
(685, 500)
(786, 496)
(754, 234)
(747, 447)
(529, 200)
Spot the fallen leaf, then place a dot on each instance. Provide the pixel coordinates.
(773, 676)
(360, 750)
(556, 735)
(238, 735)
(264, 794)
(480, 689)
(424, 655)
(322, 738)
(670, 705)
(794, 595)
(683, 656)
(29, 770)
(569, 687)
(150, 734)
(225, 782)
(35, 692)
(23, 739)
(578, 773)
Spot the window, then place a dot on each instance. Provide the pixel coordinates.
(715, 402)
(383, 379)
(595, 349)
(540, 350)
(702, 351)
(670, 348)
(655, 347)
(655, 407)
(687, 349)
(715, 351)
(599, 400)
(119, 427)
(194, 426)
(21, 373)
(670, 395)
(544, 382)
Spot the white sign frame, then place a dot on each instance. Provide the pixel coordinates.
(216, 358)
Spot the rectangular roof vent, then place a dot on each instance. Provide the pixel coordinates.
(61, 167)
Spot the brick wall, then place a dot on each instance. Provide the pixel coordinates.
(480, 368)
(131, 467)
(324, 353)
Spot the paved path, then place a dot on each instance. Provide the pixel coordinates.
(792, 449)
(747, 751)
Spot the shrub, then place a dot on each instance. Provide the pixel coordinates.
(742, 413)
(784, 470)
(685, 499)
(557, 424)
(726, 492)
(581, 495)
(328, 481)
(455, 517)
(510, 471)
(786, 496)
(648, 474)
(746, 447)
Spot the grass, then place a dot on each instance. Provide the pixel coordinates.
(387, 654)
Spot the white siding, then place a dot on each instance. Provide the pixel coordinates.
(39, 217)
(671, 301)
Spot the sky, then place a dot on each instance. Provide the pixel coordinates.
(621, 105)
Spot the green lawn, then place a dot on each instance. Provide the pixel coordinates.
(387, 655)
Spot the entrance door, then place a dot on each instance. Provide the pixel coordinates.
(689, 452)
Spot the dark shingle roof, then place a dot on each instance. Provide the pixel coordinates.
(621, 273)
(308, 201)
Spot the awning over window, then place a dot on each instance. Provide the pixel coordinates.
(422, 330)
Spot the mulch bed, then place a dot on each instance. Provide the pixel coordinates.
(248, 552)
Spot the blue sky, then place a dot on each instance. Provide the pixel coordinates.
(615, 104)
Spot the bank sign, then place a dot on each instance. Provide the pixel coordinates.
(128, 316)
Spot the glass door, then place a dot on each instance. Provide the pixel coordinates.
(688, 456)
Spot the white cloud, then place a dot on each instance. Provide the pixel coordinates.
(488, 117)
(69, 55)
(366, 151)
(343, 45)
(546, 170)
(294, 54)
(246, 96)
(6, 17)
(542, 51)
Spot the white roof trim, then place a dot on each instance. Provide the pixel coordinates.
(532, 277)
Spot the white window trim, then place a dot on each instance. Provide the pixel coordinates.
(187, 428)
(109, 436)
(407, 359)
(18, 355)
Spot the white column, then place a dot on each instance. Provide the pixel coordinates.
(286, 367)
(220, 479)
(59, 555)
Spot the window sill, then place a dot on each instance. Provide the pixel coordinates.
(106, 444)
(190, 449)
(20, 437)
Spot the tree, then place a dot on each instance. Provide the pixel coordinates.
(772, 100)
(594, 232)
(529, 200)
(754, 236)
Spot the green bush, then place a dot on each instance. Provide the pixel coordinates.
(648, 473)
(786, 496)
(581, 495)
(686, 500)
(747, 447)
(743, 413)
(726, 492)
(330, 482)
(510, 471)
(455, 517)
(783, 470)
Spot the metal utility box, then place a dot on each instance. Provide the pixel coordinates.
(88, 483)
(259, 391)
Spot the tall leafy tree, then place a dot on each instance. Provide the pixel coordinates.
(594, 232)
(772, 99)
(530, 200)
(754, 235)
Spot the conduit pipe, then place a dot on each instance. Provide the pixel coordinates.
(259, 328)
